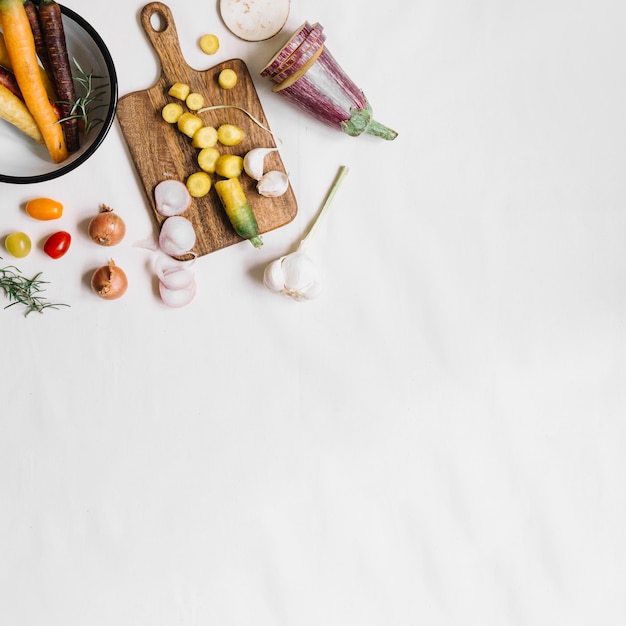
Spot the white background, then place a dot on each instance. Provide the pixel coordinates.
(438, 439)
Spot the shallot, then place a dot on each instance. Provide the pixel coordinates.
(177, 298)
(177, 236)
(109, 281)
(177, 284)
(171, 197)
(107, 228)
(295, 275)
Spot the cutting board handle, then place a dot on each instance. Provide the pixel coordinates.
(163, 37)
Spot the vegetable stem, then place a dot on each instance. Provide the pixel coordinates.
(361, 122)
(343, 171)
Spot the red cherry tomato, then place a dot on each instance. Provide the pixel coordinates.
(57, 244)
(44, 209)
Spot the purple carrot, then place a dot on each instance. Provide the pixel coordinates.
(7, 79)
(51, 20)
(40, 45)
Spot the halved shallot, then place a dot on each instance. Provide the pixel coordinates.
(177, 236)
(171, 197)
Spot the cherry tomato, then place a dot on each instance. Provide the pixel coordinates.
(57, 244)
(18, 244)
(44, 209)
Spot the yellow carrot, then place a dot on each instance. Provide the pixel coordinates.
(6, 62)
(14, 111)
(20, 44)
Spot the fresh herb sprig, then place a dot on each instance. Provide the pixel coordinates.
(89, 101)
(26, 291)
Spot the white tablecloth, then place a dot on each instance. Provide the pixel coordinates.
(438, 439)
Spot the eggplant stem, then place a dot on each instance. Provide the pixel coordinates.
(361, 122)
(343, 171)
(380, 130)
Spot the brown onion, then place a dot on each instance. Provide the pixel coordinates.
(109, 281)
(106, 228)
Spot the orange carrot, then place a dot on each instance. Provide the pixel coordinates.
(6, 61)
(21, 48)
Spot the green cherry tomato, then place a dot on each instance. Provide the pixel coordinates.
(18, 244)
(57, 244)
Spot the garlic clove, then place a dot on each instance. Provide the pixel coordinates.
(273, 276)
(254, 160)
(311, 291)
(273, 184)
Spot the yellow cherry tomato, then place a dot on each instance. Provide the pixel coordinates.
(18, 244)
(44, 209)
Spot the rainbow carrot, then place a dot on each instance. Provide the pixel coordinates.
(14, 111)
(6, 62)
(20, 45)
(40, 45)
(7, 79)
(51, 21)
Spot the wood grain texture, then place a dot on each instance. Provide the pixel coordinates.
(159, 151)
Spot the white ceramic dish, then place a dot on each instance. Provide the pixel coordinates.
(25, 161)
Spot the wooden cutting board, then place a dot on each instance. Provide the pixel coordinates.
(160, 151)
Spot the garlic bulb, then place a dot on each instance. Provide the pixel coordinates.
(293, 275)
(254, 160)
(273, 184)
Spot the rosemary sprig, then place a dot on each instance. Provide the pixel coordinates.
(25, 291)
(87, 103)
